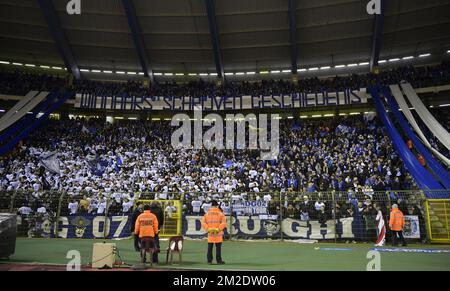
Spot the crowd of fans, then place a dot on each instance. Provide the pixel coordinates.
(20, 83)
(417, 76)
(100, 163)
(99, 160)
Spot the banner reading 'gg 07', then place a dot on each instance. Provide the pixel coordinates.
(94, 226)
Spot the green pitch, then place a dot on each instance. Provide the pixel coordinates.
(264, 256)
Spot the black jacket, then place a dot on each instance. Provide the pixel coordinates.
(134, 217)
(157, 211)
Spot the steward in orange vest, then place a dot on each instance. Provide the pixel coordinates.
(214, 222)
(396, 224)
(146, 224)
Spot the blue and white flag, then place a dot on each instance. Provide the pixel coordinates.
(119, 161)
(85, 129)
(228, 164)
(51, 163)
(98, 166)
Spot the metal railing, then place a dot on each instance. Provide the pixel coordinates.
(438, 218)
(337, 216)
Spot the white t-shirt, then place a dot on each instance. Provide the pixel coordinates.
(162, 196)
(73, 206)
(252, 173)
(36, 186)
(318, 205)
(42, 210)
(206, 207)
(126, 206)
(267, 198)
(169, 210)
(235, 197)
(196, 204)
(24, 210)
(225, 208)
(101, 208)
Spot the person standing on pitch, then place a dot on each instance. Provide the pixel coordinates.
(155, 208)
(146, 227)
(214, 222)
(396, 224)
(137, 211)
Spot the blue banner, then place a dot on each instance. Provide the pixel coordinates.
(254, 227)
(93, 226)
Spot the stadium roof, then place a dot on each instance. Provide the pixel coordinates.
(179, 36)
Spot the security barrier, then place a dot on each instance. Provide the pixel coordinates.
(171, 210)
(438, 217)
(338, 216)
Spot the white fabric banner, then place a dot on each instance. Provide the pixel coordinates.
(398, 95)
(5, 121)
(435, 127)
(51, 163)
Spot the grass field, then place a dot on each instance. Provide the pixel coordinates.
(264, 256)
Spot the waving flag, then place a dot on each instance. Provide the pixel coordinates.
(228, 164)
(296, 126)
(98, 166)
(84, 129)
(51, 163)
(381, 230)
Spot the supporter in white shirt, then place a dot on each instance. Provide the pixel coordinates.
(225, 208)
(267, 197)
(73, 207)
(36, 187)
(126, 206)
(229, 187)
(101, 207)
(235, 197)
(196, 204)
(206, 206)
(117, 197)
(318, 205)
(24, 210)
(252, 173)
(41, 210)
(162, 196)
(169, 210)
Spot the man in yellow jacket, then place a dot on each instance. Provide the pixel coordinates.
(396, 224)
(214, 222)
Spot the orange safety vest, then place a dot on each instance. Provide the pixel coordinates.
(421, 160)
(214, 219)
(410, 144)
(146, 225)
(396, 220)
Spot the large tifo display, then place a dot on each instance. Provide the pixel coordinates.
(245, 227)
(209, 103)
